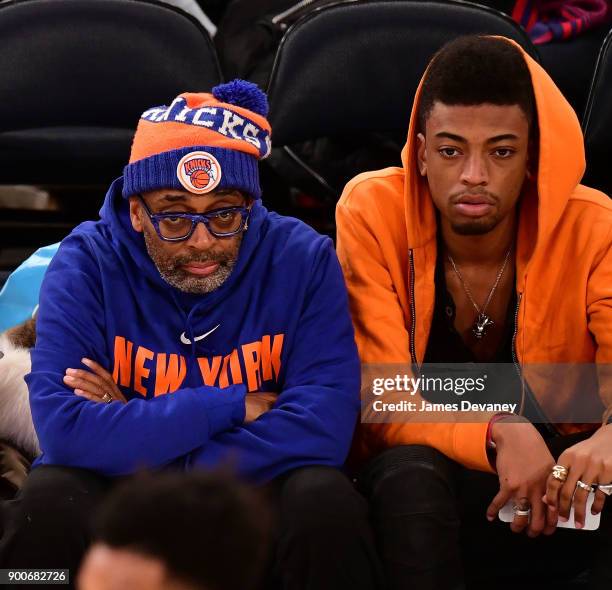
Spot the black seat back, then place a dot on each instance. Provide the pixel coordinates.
(75, 75)
(597, 123)
(354, 67)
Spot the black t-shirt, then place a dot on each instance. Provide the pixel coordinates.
(446, 346)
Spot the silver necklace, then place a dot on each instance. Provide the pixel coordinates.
(483, 321)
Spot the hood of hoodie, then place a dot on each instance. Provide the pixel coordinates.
(561, 165)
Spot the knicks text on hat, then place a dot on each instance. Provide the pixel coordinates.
(217, 119)
(199, 172)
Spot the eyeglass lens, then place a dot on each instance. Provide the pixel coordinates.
(225, 222)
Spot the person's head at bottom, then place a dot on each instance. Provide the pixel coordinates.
(172, 531)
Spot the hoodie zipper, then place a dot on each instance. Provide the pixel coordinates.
(514, 356)
(525, 391)
(412, 311)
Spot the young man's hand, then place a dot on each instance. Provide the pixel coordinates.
(258, 403)
(590, 462)
(523, 465)
(96, 385)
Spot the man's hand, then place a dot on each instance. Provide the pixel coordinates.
(523, 464)
(94, 384)
(589, 461)
(258, 403)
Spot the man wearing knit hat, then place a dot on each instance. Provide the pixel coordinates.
(190, 328)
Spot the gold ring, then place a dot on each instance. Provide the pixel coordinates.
(107, 398)
(559, 472)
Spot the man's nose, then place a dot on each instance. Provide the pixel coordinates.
(475, 171)
(201, 237)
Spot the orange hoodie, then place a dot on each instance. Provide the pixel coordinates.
(387, 247)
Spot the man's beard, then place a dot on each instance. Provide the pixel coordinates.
(169, 266)
(476, 227)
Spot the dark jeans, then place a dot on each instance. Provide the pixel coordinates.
(428, 513)
(323, 535)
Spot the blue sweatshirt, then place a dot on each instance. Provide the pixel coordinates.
(185, 362)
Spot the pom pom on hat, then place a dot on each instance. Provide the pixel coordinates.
(242, 94)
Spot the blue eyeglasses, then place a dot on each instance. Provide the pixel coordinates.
(221, 223)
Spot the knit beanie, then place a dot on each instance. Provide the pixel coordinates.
(202, 142)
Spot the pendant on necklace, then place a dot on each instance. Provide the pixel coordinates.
(483, 321)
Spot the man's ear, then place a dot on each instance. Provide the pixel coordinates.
(421, 154)
(135, 209)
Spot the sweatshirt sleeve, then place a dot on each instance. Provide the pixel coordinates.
(313, 419)
(599, 314)
(382, 337)
(115, 438)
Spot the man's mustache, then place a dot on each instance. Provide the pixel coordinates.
(203, 258)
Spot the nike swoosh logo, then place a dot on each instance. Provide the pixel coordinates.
(186, 340)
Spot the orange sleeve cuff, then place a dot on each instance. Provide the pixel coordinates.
(470, 445)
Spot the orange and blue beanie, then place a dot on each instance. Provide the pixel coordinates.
(202, 142)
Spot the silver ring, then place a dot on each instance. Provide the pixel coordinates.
(606, 489)
(585, 486)
(107, 398)
(518, 512)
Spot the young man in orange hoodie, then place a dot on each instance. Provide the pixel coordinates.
(485, 248)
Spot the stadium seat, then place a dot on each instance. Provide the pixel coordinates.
(597, 123)
(348, 73)
(76, 74)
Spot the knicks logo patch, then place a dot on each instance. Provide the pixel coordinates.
(199, 172)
